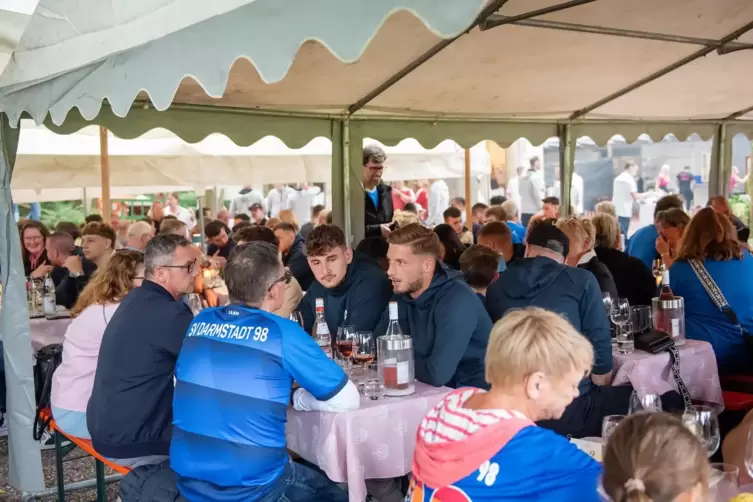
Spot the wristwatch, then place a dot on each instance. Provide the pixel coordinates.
(74, 275)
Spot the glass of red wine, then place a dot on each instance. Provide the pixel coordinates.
(345, 343)
(364, 351)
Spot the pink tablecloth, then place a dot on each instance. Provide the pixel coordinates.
(651, 372)
(44, 332)
(374, 442)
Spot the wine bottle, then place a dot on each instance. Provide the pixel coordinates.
(321, 331)
(665, 293)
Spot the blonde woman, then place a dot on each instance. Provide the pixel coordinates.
(581, 253)
(486, 445)
(632, 278)
(404, 218)
(73, 380)
(653, 457)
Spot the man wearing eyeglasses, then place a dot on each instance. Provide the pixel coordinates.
(234, 377)
(378, 196)
(129, 414)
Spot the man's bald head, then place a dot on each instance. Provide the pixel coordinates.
(139, 233)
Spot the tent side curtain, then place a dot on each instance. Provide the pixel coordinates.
(193, 124)
(602, 132)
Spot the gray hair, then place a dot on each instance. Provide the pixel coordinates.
(252, 269)
(159, 252)
(373, 153)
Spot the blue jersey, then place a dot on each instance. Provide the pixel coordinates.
(233, 381)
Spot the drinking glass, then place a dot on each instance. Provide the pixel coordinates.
(194, 303)
(620, 313)
(749, 454)
(641, 318)
(609, 424)
(724, 481)
(364, 351)
(626, 339)
(296, 317)
(646, 402)
(373, 387)
(345, 343)
(608, 301)
(704, 423)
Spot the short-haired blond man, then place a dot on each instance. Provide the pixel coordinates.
(448, 323)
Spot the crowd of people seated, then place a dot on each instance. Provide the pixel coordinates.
(510, 317)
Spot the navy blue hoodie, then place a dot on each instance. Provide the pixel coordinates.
(450, 330)
(568, 291)
(295, 260)
(364, 293)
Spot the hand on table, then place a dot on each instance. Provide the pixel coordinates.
(73, 264)
(41, 271)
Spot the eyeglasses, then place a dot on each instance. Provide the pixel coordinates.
(190, 266)
(286, 277)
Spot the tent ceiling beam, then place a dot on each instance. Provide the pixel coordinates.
(499, 20)
(738, 113)
(490, 9)
(660, 73)
(618, 32)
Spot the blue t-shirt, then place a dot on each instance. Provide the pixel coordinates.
(536, 465)
(234, 377)
(704, 321)
(518, 232)
(642, 245)
(374, 196)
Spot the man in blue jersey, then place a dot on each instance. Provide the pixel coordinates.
(355, 290)
(233, 381)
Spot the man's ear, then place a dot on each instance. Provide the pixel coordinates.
(348, 255)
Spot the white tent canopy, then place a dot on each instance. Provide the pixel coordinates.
(50, 166)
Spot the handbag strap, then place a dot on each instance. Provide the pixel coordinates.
(715, 293)
(674, 359)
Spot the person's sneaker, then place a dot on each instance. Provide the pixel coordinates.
(47, 442)
(3, 425)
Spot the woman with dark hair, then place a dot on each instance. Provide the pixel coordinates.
(710, 247)
(73, 380)
(671, 225)
(33, 239)
(450, 246)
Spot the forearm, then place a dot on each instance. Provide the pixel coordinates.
(602, 380)
(347, 399)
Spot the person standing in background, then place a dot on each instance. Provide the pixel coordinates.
(278, 199)
(307, 227)
(242, 202)
(439, 200)
(685, 182)
(422, 194)
(302, 200)
(377, 195)
(531, 191)
(513, 186)
(624, 193)
(401, 195)
(175, 209)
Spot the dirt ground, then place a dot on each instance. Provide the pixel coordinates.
(75, 470)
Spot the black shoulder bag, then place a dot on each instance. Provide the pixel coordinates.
(48, 359)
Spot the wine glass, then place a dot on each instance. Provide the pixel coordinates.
(608, 301)
(609, 424)
(647, 402)
(620, 313)
(724, 481)
(296, 317)
(704, 423)
(749, 454)
(346, 342)
(364, 351)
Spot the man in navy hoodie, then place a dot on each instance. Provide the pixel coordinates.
(543, 280)
(448, 323)
(354, 288)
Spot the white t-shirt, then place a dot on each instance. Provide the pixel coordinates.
(184, 215)
(622, 194)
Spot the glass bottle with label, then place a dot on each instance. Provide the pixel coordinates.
(320, 332)
(395, 356)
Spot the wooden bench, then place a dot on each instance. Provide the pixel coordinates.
(86, 446)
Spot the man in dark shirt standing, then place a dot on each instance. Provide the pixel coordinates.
(378, 196)
(130, 410)
(685, 186)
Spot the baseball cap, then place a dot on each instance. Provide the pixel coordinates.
(256, 206)
(549, 237)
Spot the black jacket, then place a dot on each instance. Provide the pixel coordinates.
(130, 412)
(295, 260)
(603, 276)
(375, 216)
(633, 279)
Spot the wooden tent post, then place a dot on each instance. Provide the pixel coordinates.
(104, 160)
(468, 201)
